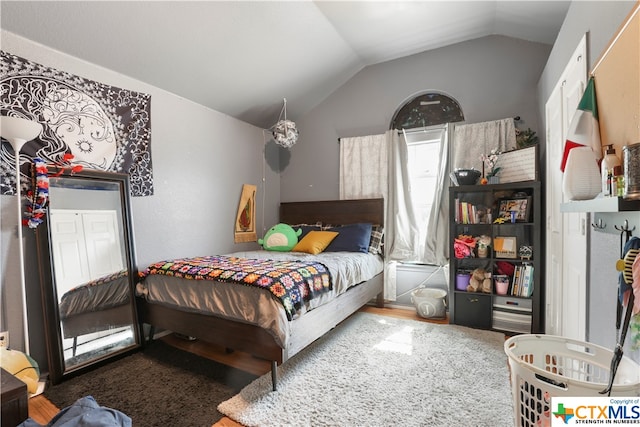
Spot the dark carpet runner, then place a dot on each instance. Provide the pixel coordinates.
(159, 386)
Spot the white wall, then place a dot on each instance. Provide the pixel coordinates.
(411, 277)
(201, 158)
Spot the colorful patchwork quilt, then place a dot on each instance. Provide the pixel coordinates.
(291, 282)
(100, 281)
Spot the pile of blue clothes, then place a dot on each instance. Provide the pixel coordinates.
(85, 412)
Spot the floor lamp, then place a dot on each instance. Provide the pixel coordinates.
(19, 131)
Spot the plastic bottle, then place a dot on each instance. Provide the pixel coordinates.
(609, 161)
(618, 175)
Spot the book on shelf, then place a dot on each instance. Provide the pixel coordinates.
(466, 213)
(515, 284)
(456, 211)
(527, 290)
(522, 282)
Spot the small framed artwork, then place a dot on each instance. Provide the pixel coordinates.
(515, 210)
(505, 247)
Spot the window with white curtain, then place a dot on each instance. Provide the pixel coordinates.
(423, 148)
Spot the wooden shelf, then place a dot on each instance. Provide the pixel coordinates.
(487, 310)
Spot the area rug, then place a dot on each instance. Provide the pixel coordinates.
(380, 371)
(160, 386)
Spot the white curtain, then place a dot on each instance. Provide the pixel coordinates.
(471, 141)
(363, 167)
(364, 172)
(436, 250)
(403, 233)
(377, 166)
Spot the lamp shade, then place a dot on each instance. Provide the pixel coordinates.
(18, 131)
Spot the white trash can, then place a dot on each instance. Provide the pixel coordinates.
(430, 303)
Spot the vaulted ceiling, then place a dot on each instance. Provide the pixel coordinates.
(243, 57)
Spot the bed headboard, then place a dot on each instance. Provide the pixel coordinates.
(333, 212)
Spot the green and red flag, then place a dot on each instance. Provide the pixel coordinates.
(584, 130)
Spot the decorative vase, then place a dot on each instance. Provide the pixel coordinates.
(581, 179)
(494, 180)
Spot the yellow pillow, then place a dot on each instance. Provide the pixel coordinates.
(315, 242)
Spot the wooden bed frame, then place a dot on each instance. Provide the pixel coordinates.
(97, 321)
(304, 330)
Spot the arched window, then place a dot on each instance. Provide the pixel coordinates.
(423, 122)
(427, 109)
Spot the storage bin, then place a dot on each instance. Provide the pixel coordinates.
(462, 281)
(546, 366)
(430, 303)
(501, 283)
(472, 309)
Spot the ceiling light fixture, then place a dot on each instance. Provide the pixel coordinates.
(284, 131)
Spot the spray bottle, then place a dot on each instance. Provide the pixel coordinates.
(609, 162)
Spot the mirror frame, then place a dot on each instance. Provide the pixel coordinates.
(53, 334)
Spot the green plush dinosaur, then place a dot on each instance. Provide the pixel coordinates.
(280, 237)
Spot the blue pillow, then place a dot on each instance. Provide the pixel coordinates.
(306, 228)
(351, 238)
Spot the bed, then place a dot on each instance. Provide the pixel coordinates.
(255, 335)
(96, 306)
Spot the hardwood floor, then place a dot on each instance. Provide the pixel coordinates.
(42, 410)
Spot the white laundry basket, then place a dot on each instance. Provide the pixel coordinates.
(546, 366)
(430, 303)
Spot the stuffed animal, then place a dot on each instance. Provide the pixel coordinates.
(480, 281)
(463, 246)
(280, 237)
(21, 366)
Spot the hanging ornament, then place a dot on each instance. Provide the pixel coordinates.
(284, 131)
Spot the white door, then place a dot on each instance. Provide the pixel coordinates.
(88, 246)
(104, 252)
(567, 233)
(70, 263)
(553, 260)
(575, 229)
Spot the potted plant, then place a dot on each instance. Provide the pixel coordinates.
(489, 163)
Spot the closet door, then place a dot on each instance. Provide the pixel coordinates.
(70, 250)
(575, 228)
(87, 246)
(553, 261)
(104, 252)
(567, 233)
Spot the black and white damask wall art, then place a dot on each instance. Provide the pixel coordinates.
(103, 126)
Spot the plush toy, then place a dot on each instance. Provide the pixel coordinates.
(21, 366)
(480, 281)
(280, 237)
(463, 246)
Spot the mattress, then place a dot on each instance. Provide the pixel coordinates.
(101, 294)
(254, 305)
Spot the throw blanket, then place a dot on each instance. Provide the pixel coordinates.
(291, 282)
(100, 281)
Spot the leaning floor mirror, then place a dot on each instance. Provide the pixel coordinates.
(87, 268)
